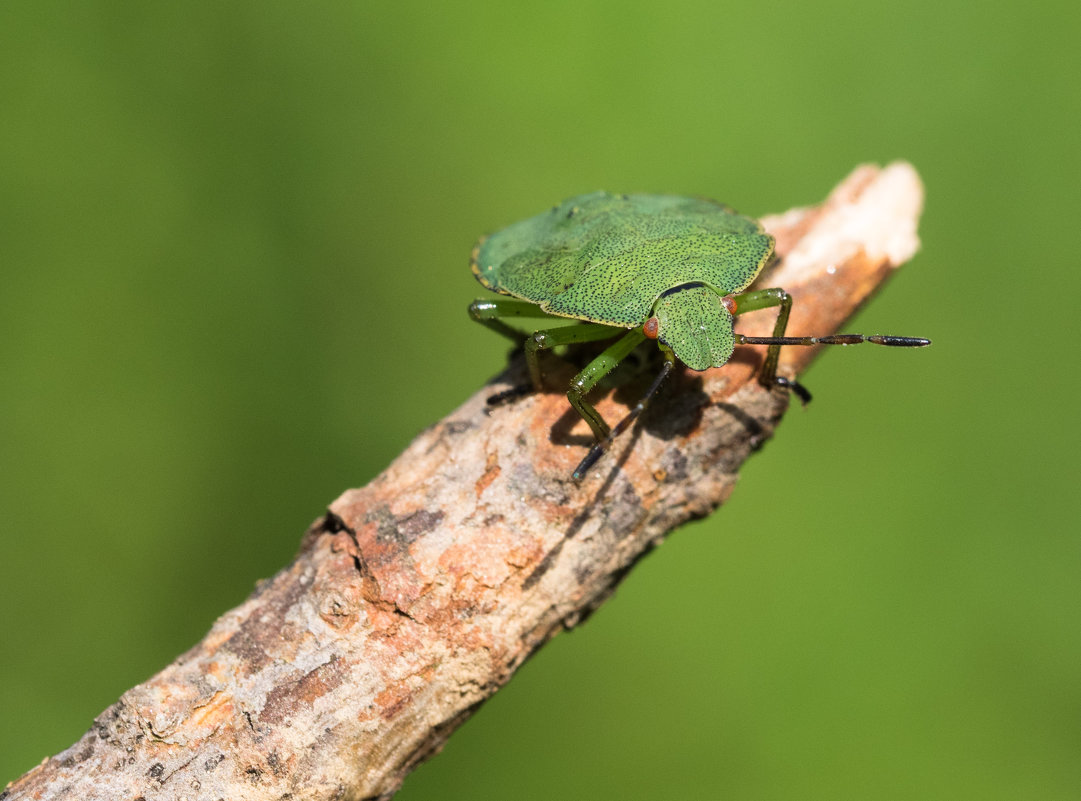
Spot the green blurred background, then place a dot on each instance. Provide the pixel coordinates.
(233, 251)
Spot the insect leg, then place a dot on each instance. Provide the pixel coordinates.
(765, 298)
(594, 372)
(488, 312)
(565, 335)
(598, 450)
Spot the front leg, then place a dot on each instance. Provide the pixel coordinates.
(764, 299)
(594, 372)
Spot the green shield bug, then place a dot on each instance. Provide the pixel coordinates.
(672, 269)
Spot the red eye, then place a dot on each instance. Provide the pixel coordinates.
(652, 328)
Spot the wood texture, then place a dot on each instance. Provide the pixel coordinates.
(417, 597)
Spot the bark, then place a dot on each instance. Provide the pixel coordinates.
(417, 597)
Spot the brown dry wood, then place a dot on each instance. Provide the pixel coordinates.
(418, 596)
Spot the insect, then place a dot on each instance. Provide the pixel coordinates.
(661, 267)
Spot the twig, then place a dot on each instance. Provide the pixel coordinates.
(418, 596)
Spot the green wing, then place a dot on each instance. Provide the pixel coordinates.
(607, 258)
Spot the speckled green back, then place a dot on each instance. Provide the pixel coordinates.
(607, 258)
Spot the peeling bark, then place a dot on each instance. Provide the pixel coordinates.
(417, 597)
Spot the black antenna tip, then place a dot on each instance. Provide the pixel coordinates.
(900, 342)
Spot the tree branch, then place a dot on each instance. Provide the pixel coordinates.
(418, 596)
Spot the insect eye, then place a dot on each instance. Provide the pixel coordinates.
(652, 328)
